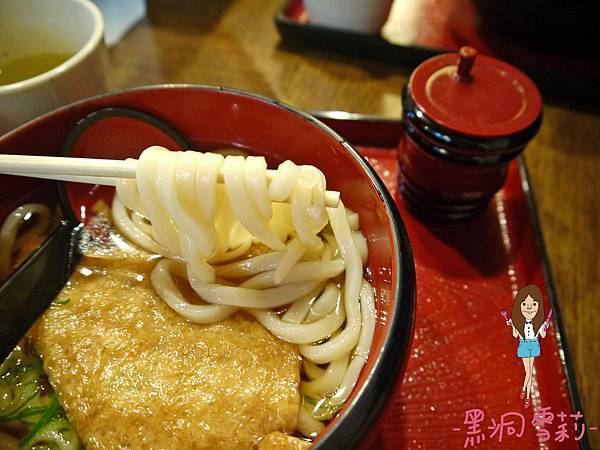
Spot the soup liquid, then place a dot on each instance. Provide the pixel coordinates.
(29, 66)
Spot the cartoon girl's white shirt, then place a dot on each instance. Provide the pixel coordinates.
(529, 334)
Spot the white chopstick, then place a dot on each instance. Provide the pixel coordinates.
(105, 172)
(61, 165)
(89, 179)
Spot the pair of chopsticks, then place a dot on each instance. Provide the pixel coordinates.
(105, 172)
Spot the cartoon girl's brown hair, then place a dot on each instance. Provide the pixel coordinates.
(517, 317)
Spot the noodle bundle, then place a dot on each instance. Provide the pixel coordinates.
(301, 272)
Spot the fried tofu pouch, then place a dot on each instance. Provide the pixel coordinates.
(281, 441)
(132, 374)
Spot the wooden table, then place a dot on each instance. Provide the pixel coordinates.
(235, 43)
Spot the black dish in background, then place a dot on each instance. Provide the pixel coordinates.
(574, 88)
(545, 25)
(28, 292)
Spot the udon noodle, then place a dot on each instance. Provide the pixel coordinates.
(307, 287)
(38, 219)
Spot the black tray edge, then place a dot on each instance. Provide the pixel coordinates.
(561, 337)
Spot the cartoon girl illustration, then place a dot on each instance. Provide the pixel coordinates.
(527, 321)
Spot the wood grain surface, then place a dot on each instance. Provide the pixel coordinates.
(235, 43)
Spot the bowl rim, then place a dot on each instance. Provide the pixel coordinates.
(367, 405)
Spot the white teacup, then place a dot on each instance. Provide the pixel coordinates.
(43, 27)
(363, 16)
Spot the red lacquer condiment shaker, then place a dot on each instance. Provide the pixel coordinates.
(465, 117)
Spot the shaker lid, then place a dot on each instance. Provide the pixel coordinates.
(474, 94)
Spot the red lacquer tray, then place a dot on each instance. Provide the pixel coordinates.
(463, 356)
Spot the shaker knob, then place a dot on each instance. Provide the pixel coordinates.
(465, 64)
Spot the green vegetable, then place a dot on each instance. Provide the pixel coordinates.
(55, 435)
(26, 397)
(49, 413)
(58, 302)
(323, 409)
(20, 384)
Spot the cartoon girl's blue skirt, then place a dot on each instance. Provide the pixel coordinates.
(528, 348)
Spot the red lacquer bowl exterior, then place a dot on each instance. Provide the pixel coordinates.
(210, 117)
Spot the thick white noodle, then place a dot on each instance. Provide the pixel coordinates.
(230, 232)
(250, 298)
(127, 191)
(306, 222)
(311, 370)
(292, 255)
(361, 353)
(132, 232)
(10, 229)
(285, 180)
(361, 245)
(207, 173)
(297, 311)
(250, 266)
(166, 289)
(316, 211)
(231, 254)
(197, 238)
(332, 243)
(256, 184)
(187, 219)
(140, 222)
(281, 223)
(346, 340)
(324, 304)
(303, 271)
(300, 333)
(147, 179)
(191, 169)
(353, 219)
(307, 424)
(233, 173)
(194, 260)
(329, 381)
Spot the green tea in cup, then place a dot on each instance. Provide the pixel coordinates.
(24, 67)
(51, 53)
